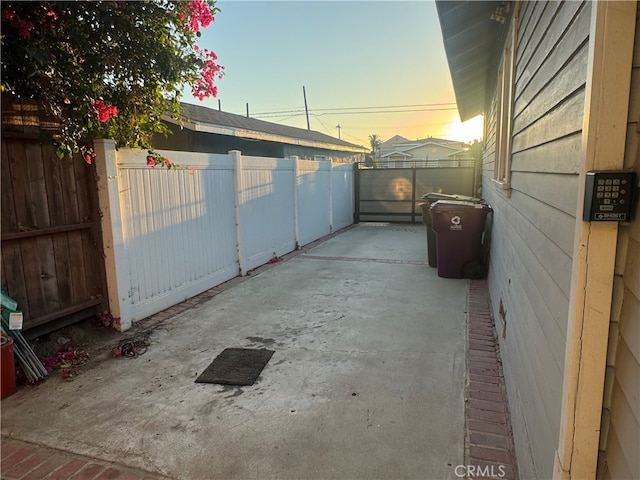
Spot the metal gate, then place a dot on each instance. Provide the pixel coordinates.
(393, 194)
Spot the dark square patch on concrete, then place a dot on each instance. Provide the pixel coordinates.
(236, 366)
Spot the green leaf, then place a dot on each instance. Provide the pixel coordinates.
(133, 55)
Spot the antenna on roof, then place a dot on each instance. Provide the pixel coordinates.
(306, 109)
(219, 105)
(247, 109)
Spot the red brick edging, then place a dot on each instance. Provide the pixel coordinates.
(25, 461)
(489, 451)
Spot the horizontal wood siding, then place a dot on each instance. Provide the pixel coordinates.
(619, 458)
(533, 227)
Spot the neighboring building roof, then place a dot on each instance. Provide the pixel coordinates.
(396, 152)
(471, 31)
(439, 144)
(396, 139)
(407, 145)
(209, 120)
(442, 141)
(459, 152)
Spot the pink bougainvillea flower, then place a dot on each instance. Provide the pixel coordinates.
(9, 15)
(205, 86)
(151, 161)
(88, 155)
(198, 13)
(24, 28)
(105, 111)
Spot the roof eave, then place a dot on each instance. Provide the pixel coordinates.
(256, 135)
(472, 37)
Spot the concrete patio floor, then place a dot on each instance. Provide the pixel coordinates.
(367, 380)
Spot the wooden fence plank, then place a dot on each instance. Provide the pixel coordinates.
(48, 274)
(76, 257)
(32, 276)
(39, 204)
(69, 190)
(80, 170)
(63, 268)
(91, 254)
(55, 198)
(9, 223)
(17, 165)
(13, 275)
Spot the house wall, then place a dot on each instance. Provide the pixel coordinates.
(190, 141)
(433, 152)
(534, 220)
(310, 153)
(621, 416)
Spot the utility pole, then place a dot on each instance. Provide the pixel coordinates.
(338, 127)
(306, 109)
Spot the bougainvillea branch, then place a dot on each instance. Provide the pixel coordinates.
(107, 69)
(154, 159)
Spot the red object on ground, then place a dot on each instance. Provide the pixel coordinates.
(7, 365)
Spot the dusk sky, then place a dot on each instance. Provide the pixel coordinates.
(372, 67)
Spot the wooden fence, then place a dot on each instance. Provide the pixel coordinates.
(52, 260)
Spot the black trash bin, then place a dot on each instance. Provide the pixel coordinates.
(459, 228)
(427, 200)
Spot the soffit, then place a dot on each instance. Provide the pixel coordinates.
(472, 40)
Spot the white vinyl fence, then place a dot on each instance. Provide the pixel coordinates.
(171, 234)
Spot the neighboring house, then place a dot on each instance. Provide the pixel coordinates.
(559, 85)
(202, 129)
(401, 152)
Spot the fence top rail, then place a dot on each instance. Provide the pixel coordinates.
(130, 158)
(466, 163)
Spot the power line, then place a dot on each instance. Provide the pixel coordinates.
(367, 109)
(389, 106)
(414, 125)
(389, 111)
(367, 112)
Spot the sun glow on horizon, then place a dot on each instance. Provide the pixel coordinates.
(467, 131)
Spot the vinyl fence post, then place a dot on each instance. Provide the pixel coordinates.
(330, 196)
(115, 256)
(356, 193)
(296, 176)
(237, 202)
